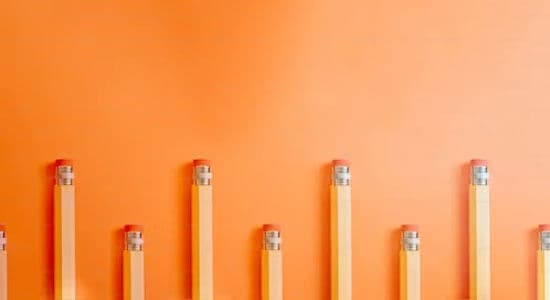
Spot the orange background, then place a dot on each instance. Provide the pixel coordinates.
(271, 91)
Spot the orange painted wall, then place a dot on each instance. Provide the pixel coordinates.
(271, 91)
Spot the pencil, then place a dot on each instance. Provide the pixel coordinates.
(3, 263)
(134, 285)
(272, 264)
(64, 202)
(480, 234)
(201, 207)
(409, 260)
(340, 207)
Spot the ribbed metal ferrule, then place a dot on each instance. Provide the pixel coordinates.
(480, 175)
(134, 241)
(202, 175)
(410, 241)
(341, 175)
(3, 241)
(64, 175)
(272, 240)
(544, 240)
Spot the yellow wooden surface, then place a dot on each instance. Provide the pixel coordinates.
(480, 243)
(340, 236)
(134, 284)
(3, 275)
(65, 285)
(543, 275)
(272, 275)
(409, 270)
(202, 260)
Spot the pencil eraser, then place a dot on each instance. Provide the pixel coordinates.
(271, 227)
(340, 162)
(544, 227)
(201, 162)
(63, 162)
(3, 227)
(409, 227)
(479, 163)
(133, 227)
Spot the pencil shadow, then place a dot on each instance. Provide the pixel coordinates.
(184, 182)
(394, 241)
(49, 229)
(255, 267)
(324, 266)
(463, 230)
(533, 245)
(117, 267)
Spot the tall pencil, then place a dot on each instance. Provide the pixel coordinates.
(409, 260)
(543, 263)
(201, 207)
(64, 202)
(133, 273)
(272, 263)
(340, 231)
(3, 263)
(480, 234)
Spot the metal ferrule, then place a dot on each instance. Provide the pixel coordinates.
(341, 175)
(64, 175)
(134, 241)
(3, 241)
(480, 175)
(272, 240)
(410, 241)
(202, 175)
(544, 240)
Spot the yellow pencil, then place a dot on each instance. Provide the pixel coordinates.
(64, 202)
(543, 263)
(272, 263)
(340, 231)
(480, 234)
(134, 284)
(409, 260)
(3, 263)
(201, 216)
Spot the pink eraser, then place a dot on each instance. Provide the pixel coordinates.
(544, 227)
(271, 227)
(409, 227)
(133, 227)
(201, 162)
(479, 163)
(64, 162)
(340, 162)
